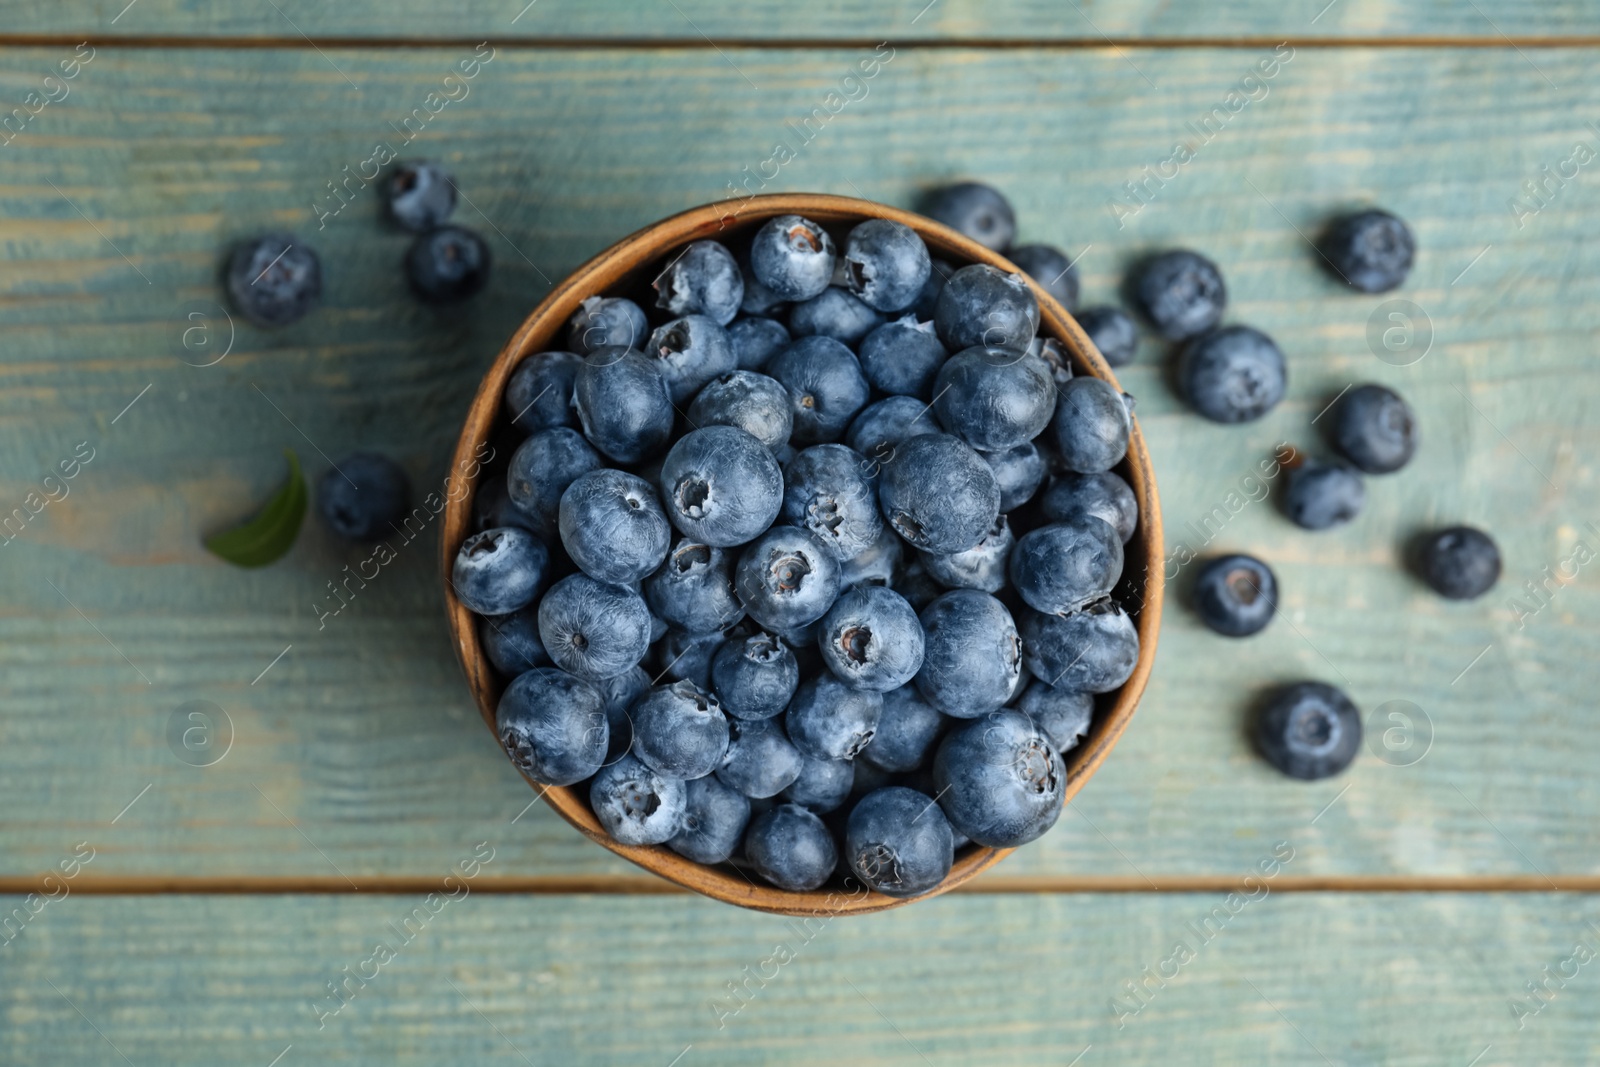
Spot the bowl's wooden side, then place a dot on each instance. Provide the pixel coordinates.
(622, 266)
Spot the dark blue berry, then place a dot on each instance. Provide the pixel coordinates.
(592, 629)
(977, 211)
(786, 578)
(982, 305)
(693, 589)
(827, 490)
(791, 848)
(1062, 715)
(871, 639)
(364, 497)
(1370, 251)
(1309, 730)
(885, 264)
(756, 340)
(823, 784)
(1234, 374)
(512, 641)
(618, 694)
(703, 279)
(419, 196)
(928, 300)
(898, 842)
(1460, 562)
(938, 494)
(274, 279)
(1374, 428)
(995, 398)
(760, 761)
(1054, 272)
(623, 404)
(714, 821)
(604, 321)
(552, 726)
(918, 586)
(636, 805)
(500, 571)
(721, 486)
(835, 313)
(492, 506)
(1091, 425)
(1236, 595)
(679, 731)
(1092, 651)
(879, 429)
(541, 469)
(447, 264)
(1064, 566)
(758, 299)
(829, 720)
(1180, 292)
(908, 729)
(689, 352)
(612, 526)
(793, 257)
(983, 566)
(1112, 331)
(999, 781)
(825, 387)
(1103, 494)
(1018, 471)
(753, 402)
(539, 395)
(754, 677)
(1320, 495)
(901, 357)
(972, 654)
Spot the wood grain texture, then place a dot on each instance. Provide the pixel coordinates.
(358, 752)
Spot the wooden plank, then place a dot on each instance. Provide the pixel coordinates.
(1406, 980)
(356, 753)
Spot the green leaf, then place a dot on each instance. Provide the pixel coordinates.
(270, 534)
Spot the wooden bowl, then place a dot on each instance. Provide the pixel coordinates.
(629, 266)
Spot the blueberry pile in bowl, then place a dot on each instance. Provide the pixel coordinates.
(808, 571)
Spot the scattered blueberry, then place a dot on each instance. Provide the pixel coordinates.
(793, 257)
(835, 313)
(823, 784)
(972, 654)
(1320, 495)
(419, 196)
(636, 805)
(512, 641)
(898, 842)
(1018, 471)
(592, 629)
(983, 566)
(447, 264)
(1054, 272)
(908, 729)
(1113, 333)
(612, 526)
(703, 279)
(995, 398)
(938, 494)
(693, 589)
(689, 352)
(623, 404)
(679, 731)
(881, 426)
(786, 578)
(500, 571)
(885, 264)
(825, 387)
(756, 340)
(1309, 730)
(1370, 251)
(760, 762)
(982, 305)
(364, 496)
(1092, 651)
(1062, 715)
(721, 486)
(1236, 595)
(754, 677)
(541, 469)
(902, 357)
(977, 211)
(552, 726)
(1104, 494)
(1064, 566)
(274, 280)
(826, 489)
(1234, 374)
(1374, 428)
(714, 821)
(999, 781)
(829, 720)
(1180, 292)
(790, 848)
(539, 394)
(871, 639)
(753, 402)
(603, 321)
(1460, 562)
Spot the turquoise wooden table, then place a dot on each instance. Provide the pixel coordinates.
(1433, 906)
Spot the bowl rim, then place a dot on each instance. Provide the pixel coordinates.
(542, 330)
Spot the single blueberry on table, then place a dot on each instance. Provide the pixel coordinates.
(1092, 651)
(689, 352)
(827, 490)
(1321, 495)
(364, 496)
(512, 641)
(829, 720)
(753, 402)
(617, 696)
(1370, 251)
(754, 677)
(1181, 293)
(938, 494)
(972, 654)
(755, 340)
(603, 321)
(1374, 428)
(835, 313)
(908, 729)
(1062, 715)
(1090, 426)
(999, 781)
(679, 731)
(901, 357)
(1232, 375)
(793, 257)
(714, 821)
(539, 392)
(898, 842)
(703, 279)
(1054, 272)
(885, 264)
(787, 578)
(879, 563)
(693, 589)
(983, 305)
(552, 726)
(419, 195)
(541, 469)
(871, 639)
(593, 630)
(1113, 333)
(683, 656)
(995, 398)
(1460, 563)
(977, 211)
(1104, 494)
(447, 264)
(881, 426)
(1308, 730)
(612, 526)
(791, 848)
(1019, 472)
(623, 402)
(636, 805)
(721, 486)
(823, 784)
(825, 387)
(500, 571)
(760, 761)
(274, 279)
(983, 566)
(1064, 566)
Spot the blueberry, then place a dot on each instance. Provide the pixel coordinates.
(995, 398)
(512, 641)
(613, 527)
(1180, 292)
(753, 402)
(1375, 429)
(877, 432)
(364, 496)
(823, 784)
(607, 320)
(1090, 651)
(972, 654)
(908, 729)
(492, 506)
(592, 629)
(999, 781)
(1064, 566)
(1370, 251)
(1091, 425)
(541, 469)
(618, 694)
(679, 731)
(419, 196)
(1054, 272)
(754, 677)
(1309, 730)
(871, 639)
(636, 805)
(1320, 495)
(829, 720)
(1018, 471)
(902, 357)
(500, 571)
(977, 211)
(689, 352)
(793, 257)
(760, 761)
(623, 403)
(1234, 374)
(918, 586)
(938, 494)
(982, 305)
(683, 656)
(552, 726)
(879, 563)
(885, 264)
(756, 340)
(714, 821)
(928, 300)
(1104, 494)
(721, 486)
(703, 279)
(1062, 715)
(826, 490)
(758, 299)
(693, 590)
(790, 848)
(539, 392)
(1460, 562)
(447, 264)
(274, 279)
(898, 842)
(1054, 356)
(825, 387)
(834, 313)
(983, 566)
(1112, 331)
(786, 578)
